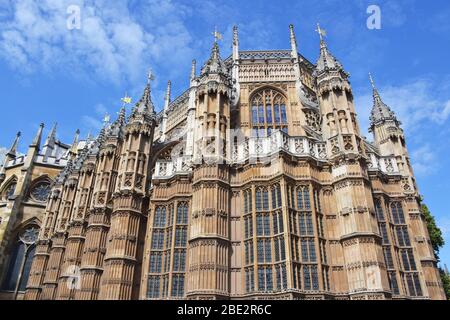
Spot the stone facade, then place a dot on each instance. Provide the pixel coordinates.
(25, 182)
(255, 183)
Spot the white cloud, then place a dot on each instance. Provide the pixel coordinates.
(444, 224)
(416, 104)
(92, 123)
(423, 160)
(112, 44)
(100, 109)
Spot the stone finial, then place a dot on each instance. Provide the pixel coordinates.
(380, 110)
(37, 139)
(193, 69)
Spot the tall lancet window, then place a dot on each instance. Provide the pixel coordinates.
(20, 261)
(268, 113)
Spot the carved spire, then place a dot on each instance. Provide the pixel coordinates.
(214, 65)
(51, 138)
(74, 147)
(322, 33)
(235, 43)
(294, 49)
(167, 97)
(49, 146)
(89, 136)
(12, 153)
(380, 110)
(326, 60)
(116, 128)
(106, 120)
(122, 116)
(37, 139)
(144, 107)
(193, 69)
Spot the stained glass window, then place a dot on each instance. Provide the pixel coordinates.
(388, 258)
(303, 198)
(393, 282)
(41, 191)
(153, 287)
(22, 253)
(259, 225)
(397, 213)
(268, 112)
(178, 285)
(379, 210)
(249, 280)
(11, 190)
(384, 233)
(182, 214)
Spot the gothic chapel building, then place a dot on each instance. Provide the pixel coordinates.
(255, 183)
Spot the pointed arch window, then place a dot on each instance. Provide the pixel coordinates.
(379, 210)
(268, 113)
(21, 260)
(9, 191)
(303, 198)
(397, 213)
(262, 199)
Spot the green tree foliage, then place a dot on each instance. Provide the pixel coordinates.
(437, 240)
(445, 282)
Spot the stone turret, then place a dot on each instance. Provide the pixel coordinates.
(358, 233)
(209, 243)
(386, 128)
(390, 140)
(103, 162)
(339, 127)
(124, 250)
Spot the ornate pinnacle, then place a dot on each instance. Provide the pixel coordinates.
(322, 33)
(372, 82)
(168, 91)
(150, 77)
(380, 110)
(193, 69)
(293, 41)
(145, 105)
(106, 119)
(37, 139)
(13, 150)
(74, 148)
(122, 114)
(217, 35)
(235, 35)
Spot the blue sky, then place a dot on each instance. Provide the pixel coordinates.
(51, 74)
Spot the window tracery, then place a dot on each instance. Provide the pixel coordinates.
(313, 120)
(9, 190)
(41, 191)
(169, 221)
(268, 113)
(21, 259)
